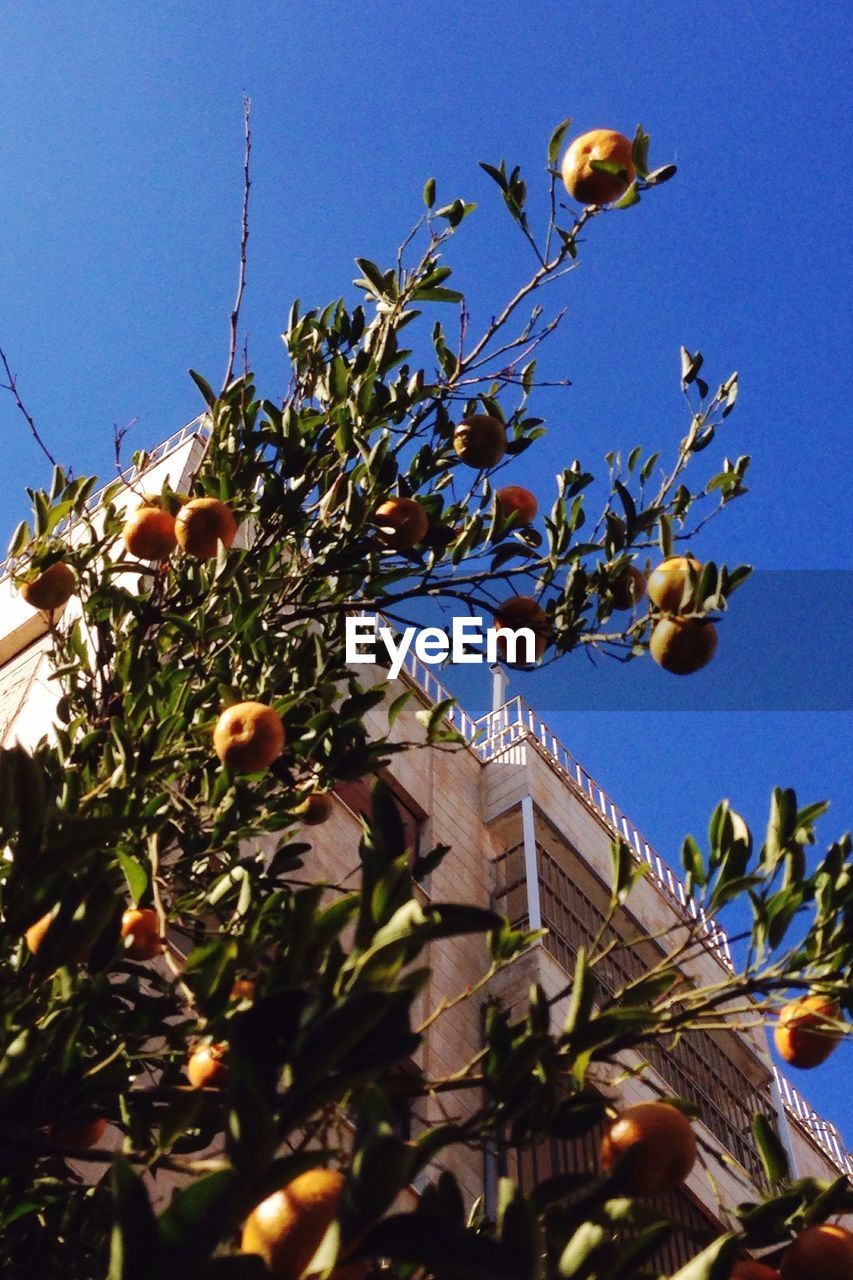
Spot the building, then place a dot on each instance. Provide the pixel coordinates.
(530, 832)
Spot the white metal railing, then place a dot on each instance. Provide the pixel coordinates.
(517, 721)
(198, 427)
(822, 1132)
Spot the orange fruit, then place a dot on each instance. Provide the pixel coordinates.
(140, 931)
(316, 808)
(287, 1228)
(243, 989)
(35, 934)
(480, 441)
(667, 583)
(85, 1133)
(801, 1035)
(513, 500)
(402, 522)
(683, 645)
(823, 1252)
(202, 524)
(53, 588)
(591, 186)
(522, 611)
(751, 1270)
(208, 1067)
(629, 588)
(662, 1143)
(149, 534)
(248, 737)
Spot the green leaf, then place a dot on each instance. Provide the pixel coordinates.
(373, 275)
(713, 1263)
(773, 1155)
(429, 192)
(630, 198)
(134, 1235)
(556, 140)
(204, 387)
(136, 876)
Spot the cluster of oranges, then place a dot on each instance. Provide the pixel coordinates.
(658, 1146)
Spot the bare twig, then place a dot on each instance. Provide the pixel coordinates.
(244, 240)
(12, 386)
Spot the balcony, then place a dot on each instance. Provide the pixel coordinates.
(695, 1067)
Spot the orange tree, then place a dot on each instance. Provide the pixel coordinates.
(160, 906)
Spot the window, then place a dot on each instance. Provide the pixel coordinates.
(356, 796)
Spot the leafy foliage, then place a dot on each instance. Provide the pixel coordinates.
(125, 802)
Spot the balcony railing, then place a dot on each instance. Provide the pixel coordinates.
(822, 1132)
(695, 1067)
(517, 721)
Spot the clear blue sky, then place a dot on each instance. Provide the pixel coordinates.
(120, 154)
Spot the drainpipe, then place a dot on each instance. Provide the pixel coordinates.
(531, 870)
(499, 684)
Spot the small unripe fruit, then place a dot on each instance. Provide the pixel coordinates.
(140, 932)
(207, 1067)
(402, 522)
(662, 1145)
(149, 534)
(672, 584)
(480, 441)
(202, 524)
(53, 588)
(802, 1036)
(593, 186)
(248, 737)
(683, 645)
(513, 500)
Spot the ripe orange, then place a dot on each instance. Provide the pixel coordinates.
(140, 931)
(85, 1133)
(402, 522)
(683, 645)
(208, 1067)
(751, 1270)
(149, 534)
(629, 588)
(522, 611)
(662, 1142)
(287, 1228)
(588, 185)
(35, 934)
(243, 989)
(202, 524)
(801, 1035)
(316, 808)
(513, 500)
(823, 1252)
(51, 589)
(248, 737)
(480, 441)
(668, 581)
